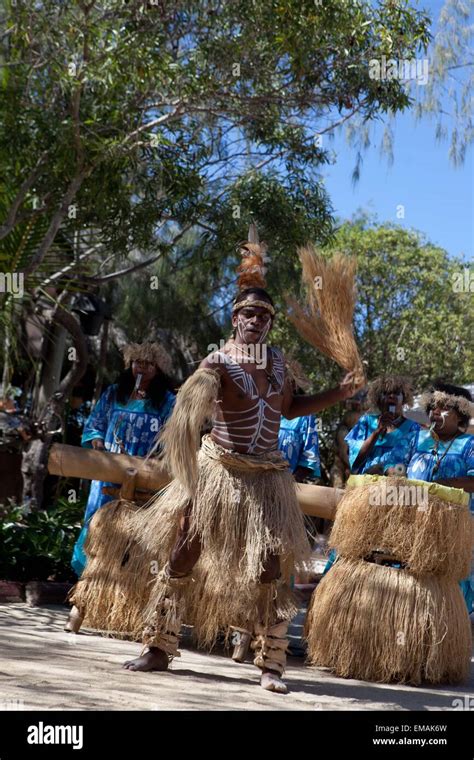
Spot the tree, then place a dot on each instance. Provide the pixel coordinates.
(158, 108)
(123, 125)
(447, 97)
(443, 92)
(414, 314)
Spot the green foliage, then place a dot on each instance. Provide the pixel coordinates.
(38, 545)
(128, 123)
(15, 251)
(197, 281)
(444, 97)
(447, 98)
(409, 318)
(165, 106)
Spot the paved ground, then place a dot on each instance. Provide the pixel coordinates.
(41, 667)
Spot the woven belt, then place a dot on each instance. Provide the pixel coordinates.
(272, 460)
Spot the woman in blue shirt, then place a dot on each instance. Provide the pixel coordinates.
(127, 419)
(444, 453)
(381, 440)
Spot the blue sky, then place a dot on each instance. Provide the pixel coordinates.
(438, 197)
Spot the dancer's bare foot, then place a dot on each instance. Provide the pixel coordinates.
(272, 682)
(154, 659)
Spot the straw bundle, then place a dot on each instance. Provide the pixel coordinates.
(180, 438)
(242, 514)
(380, 624)
(114, 588)
(127, 545)
(425, 530)
(326, 319)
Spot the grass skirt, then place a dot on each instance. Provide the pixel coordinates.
(114, 588)
(431, 535)
(244, 509)
(379, 623)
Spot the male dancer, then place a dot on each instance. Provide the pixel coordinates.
(240, 526)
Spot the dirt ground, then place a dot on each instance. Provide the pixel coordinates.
(42, 667)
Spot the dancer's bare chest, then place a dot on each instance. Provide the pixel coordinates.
(248, 411)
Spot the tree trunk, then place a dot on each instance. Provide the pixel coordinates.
(52, 365)
(34, 471)
(6, 349)
(102, 360)
(50, 422)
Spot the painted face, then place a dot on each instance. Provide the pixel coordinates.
(444, 418)
(146, 369)
(252, 324)
(392, 402)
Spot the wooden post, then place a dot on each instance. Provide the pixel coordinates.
(318, 501)
(128, 485)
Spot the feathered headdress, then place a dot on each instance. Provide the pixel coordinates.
(252, 269)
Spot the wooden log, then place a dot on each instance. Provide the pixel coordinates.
(75, 462)
(71, 461)
(139, 497)
(318, 501)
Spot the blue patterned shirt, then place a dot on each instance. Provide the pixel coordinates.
(298, 441)
(458, 462)
(133, 426)
(388, 450)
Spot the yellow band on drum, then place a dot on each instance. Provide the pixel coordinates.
(446, 493)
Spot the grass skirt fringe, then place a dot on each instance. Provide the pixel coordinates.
(241, 517)
(433, 536)
(381, 624)
(214, 608)
(116, 583)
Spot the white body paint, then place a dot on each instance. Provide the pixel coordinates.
(255, 429)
